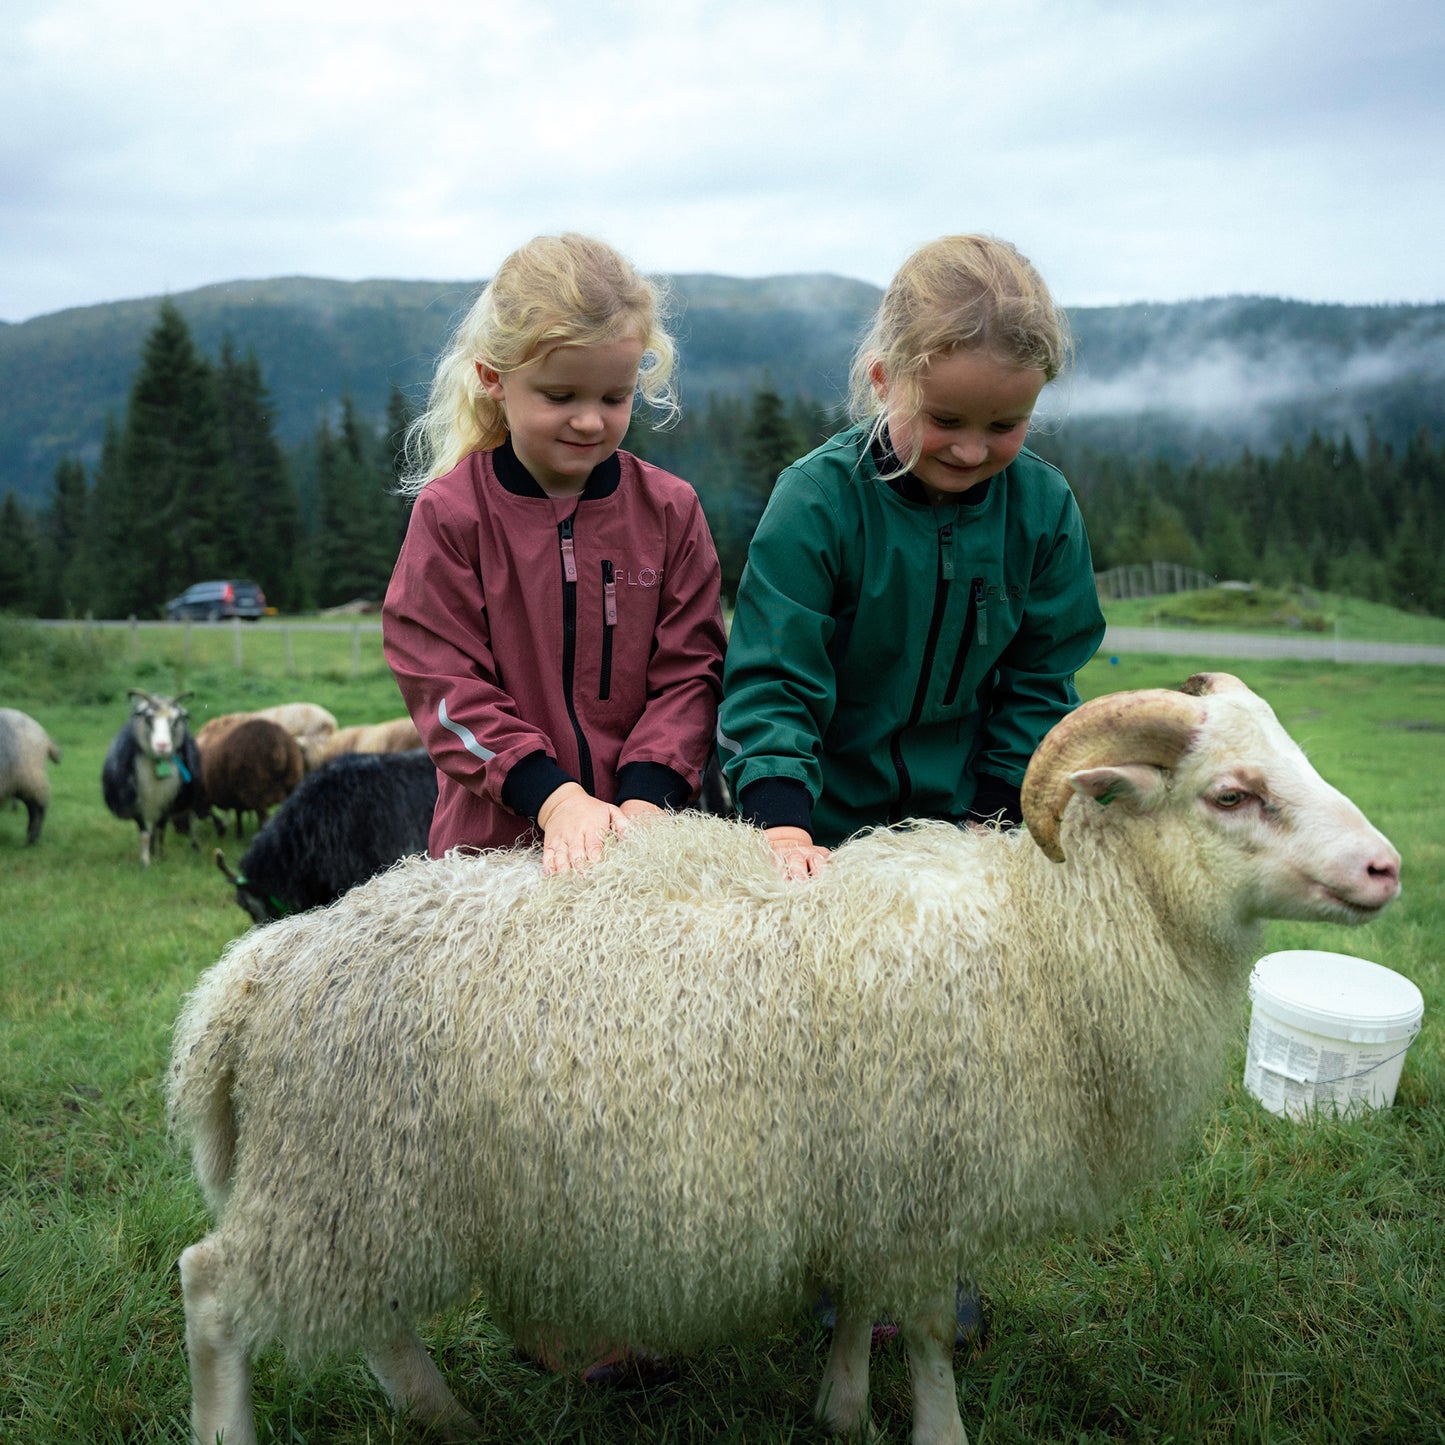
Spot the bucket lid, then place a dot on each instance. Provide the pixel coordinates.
(1337, 995)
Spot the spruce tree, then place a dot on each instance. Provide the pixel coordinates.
(62, 533)
(263, 515)
(769, 444)
(18, 573)
(360, 516)
(100, 571)
(399, 417)
(175, 482)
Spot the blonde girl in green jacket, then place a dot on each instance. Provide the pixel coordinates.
(919, 592)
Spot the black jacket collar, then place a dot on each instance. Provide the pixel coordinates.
(515, 478)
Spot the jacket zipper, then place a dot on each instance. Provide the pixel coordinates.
(920, 695)
(569, 647)
(975, 628)
(609, 621)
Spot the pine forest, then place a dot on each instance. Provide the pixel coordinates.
(193, 482)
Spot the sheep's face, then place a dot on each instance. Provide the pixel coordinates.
(158, 724)
(1262, 825)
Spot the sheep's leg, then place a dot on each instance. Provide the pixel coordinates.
(929, 1336)
(415, 1386)
(145, 846)
(35, 816)
(843, 1396)
(220, 1366)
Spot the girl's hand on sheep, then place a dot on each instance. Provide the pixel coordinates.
(573, 825)
(795, 852)
(635, 808)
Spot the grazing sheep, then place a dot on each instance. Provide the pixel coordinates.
(24, 747)
(310, 724)
(152, 770)
(397, 736)
(665, 1099)
(249, 767)
(345, 822)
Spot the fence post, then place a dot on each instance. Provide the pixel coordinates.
(134, 638)
(356, 649)
(290, 657)
(186, 648)
(236, 640)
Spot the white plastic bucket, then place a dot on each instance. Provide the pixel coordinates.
(1328, 1032)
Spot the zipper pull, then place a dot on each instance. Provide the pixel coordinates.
(609, 595)
(945, 551)
(980, 611)
(569, 557)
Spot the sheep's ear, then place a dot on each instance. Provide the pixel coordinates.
(1136, 785)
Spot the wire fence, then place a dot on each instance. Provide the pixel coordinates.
(1150, 579)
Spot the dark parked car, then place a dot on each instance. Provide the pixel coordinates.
(211, 601)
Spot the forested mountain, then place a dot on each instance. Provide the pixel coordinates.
(252, 429)
(318, 342)
(1200, 378)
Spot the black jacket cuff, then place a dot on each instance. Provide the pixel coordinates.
(654, 783)
(531, 783)
(777, 803)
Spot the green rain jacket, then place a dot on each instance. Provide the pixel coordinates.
(890, 658)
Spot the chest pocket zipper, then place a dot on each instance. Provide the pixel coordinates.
(975, 629)
(609, 623)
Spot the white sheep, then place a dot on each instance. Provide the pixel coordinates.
(24, 747)
(399, 735)
(667, 1099)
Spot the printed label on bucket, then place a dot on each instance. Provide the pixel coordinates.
(1293, 1072)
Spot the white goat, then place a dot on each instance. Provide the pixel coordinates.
(152, 771)
(666, 1099)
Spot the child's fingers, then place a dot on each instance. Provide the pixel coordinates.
(800, 860)
(576, 836)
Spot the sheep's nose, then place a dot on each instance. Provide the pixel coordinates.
(1384, 873)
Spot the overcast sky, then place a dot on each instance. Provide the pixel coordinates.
(1135, 149)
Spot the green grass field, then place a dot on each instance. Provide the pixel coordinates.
(1284, 1284)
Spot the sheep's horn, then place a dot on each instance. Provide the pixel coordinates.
(1206, 682)
(221, 864)
(1151, 726)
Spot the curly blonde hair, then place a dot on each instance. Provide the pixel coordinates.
(958, 292)
(566, 290)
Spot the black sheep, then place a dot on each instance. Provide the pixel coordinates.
(350, 819)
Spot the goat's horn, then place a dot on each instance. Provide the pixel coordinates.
(1152, 726)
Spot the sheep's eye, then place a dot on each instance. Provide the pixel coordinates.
(1230, 798)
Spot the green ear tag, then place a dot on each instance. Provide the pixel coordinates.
(163, 768)
(1104, 799)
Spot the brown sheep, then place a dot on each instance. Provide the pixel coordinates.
(249, 766)
(311, 725)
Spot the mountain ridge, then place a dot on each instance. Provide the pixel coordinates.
(1207, 376)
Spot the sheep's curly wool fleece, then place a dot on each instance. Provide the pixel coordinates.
(663, 1099)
